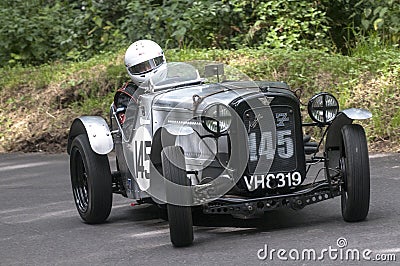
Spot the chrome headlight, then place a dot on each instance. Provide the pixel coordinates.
(217, 118)
(323, 108)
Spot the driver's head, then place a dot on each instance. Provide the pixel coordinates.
(142, 58)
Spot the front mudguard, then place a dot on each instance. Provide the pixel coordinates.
(97, 131)
(334, 143)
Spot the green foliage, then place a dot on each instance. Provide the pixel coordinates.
(382, 17)
(39, 31)
(288, 24)
(26, 29)
(182, 23)
(352, 21)
(284, 40)
(231, 24)
(59, 92)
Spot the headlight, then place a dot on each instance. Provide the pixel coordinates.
(216, 118)
(323, 108)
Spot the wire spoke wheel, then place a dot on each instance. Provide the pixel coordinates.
(80, 185)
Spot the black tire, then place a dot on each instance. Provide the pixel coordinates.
(91, 181)
(179, 217)
(163, 212)
(356, 174)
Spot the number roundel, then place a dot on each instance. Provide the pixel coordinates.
(141, 148)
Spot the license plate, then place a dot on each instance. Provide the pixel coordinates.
(272, 181)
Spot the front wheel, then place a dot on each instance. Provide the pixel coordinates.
(179, 217)
(91, 181)
(354, 166)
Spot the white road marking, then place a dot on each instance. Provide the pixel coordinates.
(380, 155)
(230, 229)
(27, 218)
(14, 210)
(22, 166)
(43, 211)
(151, 233)
(56, 205)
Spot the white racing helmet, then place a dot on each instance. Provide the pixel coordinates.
(142, 58)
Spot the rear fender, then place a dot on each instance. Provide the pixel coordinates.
(96, 128)
(333, 145)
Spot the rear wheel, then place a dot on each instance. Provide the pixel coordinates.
(354, 165)
(91, 181)
(179, 217)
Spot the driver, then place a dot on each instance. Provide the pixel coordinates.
(142, 59)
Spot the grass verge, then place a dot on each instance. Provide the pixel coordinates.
(38, 104)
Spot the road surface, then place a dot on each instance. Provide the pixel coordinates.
(39, 225)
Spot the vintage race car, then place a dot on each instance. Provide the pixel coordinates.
(201, 136)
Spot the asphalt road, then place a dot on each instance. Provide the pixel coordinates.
(39, 225)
